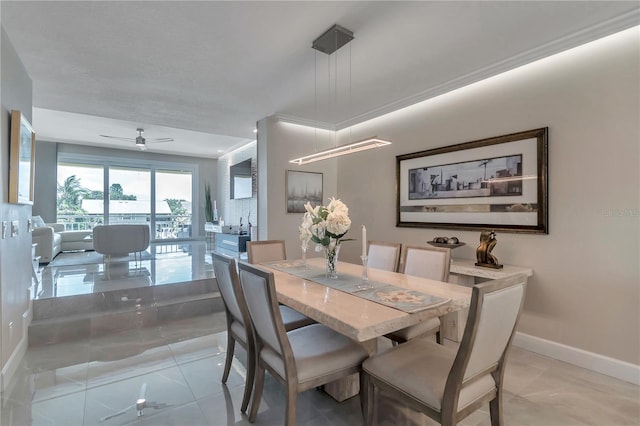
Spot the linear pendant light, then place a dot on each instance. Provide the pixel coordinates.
(329, 42)
(350, 148)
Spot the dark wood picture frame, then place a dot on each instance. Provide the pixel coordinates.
(498, 183)
(22, 146)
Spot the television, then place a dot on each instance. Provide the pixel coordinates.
(241, 180)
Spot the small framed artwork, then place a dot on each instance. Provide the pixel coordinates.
(303, 187)
(498, 183)
(21, 159)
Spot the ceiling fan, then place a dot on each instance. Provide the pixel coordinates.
(139, 140)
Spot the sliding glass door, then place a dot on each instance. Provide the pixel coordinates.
(173, 189)
(129, 195)
(80, 195)
(95, 191)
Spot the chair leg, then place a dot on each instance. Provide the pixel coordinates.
(292, 395)
(231, 345)
(495, 410)
(251, 374)
(257, 393)
(440, 332)
(367, 399)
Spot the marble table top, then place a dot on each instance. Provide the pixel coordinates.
(358, 318)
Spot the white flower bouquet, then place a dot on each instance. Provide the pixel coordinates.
(326, 226)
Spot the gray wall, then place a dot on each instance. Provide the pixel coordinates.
(46, 179)
(278, 143)
(584, 294)
(15, 252)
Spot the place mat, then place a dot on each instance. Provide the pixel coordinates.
(385, 294)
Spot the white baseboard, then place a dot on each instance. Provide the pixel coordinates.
(591, 361)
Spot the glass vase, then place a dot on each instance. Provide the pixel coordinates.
(331, 258)
(304, 255)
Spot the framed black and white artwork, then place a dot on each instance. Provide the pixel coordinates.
(303, 187)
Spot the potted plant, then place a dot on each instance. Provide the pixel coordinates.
(209, 209)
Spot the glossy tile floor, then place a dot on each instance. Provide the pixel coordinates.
(179, 364)
(78, 273)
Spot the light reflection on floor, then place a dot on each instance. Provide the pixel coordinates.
(162, 263)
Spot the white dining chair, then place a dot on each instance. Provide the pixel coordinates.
(266, 251)
(425, 262)
(444, 384)
(300, 359)
(383, 255)
(239, 327)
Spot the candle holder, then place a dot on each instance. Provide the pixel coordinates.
(365, 274)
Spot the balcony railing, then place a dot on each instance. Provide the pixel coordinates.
(168, 227)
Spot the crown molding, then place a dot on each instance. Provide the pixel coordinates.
(304, 122)
(600, 30)
(578, 38)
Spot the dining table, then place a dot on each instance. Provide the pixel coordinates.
(362, 303)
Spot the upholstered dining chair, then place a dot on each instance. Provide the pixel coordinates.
(238, 321)
(266, 251)
(383, 255)
(444, 384)
(300, 359)
(426, 262)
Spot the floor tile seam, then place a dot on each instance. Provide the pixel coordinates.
(31, 371)
(57, 395)
(128, 377)
(186, 382)
(184, 354)
(150, 414)
(82, 388)
(230, 388)
(84, 398)
(192, 360)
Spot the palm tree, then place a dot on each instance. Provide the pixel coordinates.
(70, 195)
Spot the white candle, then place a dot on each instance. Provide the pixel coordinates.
(364, 240)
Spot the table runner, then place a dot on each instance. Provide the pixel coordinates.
(385, 294)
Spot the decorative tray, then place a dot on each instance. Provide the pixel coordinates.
(451, 246)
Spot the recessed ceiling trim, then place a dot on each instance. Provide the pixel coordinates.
(603, 29)
(304, 122)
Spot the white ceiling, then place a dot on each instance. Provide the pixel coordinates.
(203, 72)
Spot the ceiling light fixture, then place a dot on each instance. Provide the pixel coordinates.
(350, 148)
(329, 42)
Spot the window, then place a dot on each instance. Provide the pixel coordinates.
(157, 193)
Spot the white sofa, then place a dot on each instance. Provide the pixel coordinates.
(52, 239)
(49, 243)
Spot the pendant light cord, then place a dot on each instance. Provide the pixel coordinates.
(335, 90)
(315, 101)
(350, 102)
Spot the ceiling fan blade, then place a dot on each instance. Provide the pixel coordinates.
(158, 140)
(119, 138)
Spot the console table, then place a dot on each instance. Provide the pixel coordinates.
(232, 242)
(465, 272)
